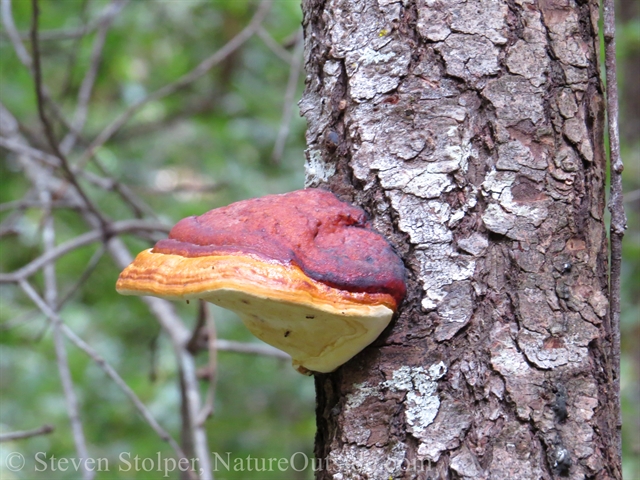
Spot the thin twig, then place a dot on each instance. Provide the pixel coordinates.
(14, 36)
(231, 46)
(22, 434)
(251, 349)
(208, 408)
(194, 343)
(46, 124)
(62, 361)
(51, 300)
(116, 228)
(274, 46)
(193, 407)
(172, 324)
(616, 206)
(68, 34)
(91, 266)
(632, 196)
(72, 56)
(26, 203)
(84, 95)
(287, 109)
(54, 318)
(137, 206)
(25, 58)
(130, 394)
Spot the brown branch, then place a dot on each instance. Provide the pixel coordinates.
(26, 203)
(616, 205)
(22, 434)
(46, 124)
(12, 33)
(25, 58)
(235, 43)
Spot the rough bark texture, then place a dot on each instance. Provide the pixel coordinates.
(472, 134)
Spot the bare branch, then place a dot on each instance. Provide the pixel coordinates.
(109, 184)
(69, 34)
(91, 266)
(26, 203)
(274, 46)
(632, 196)
(616, 205)
(48, 128)
(18, 147)
(109, 371)
(80, 115)
(231, 46)
(65, 376)
(179, 335)
(131, 395)
(251, 348)
(22, 434)
(116, 228)
(25, 58)
(14, 36)
(287, 109)
(207, 409)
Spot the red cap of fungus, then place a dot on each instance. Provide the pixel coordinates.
(329, 240)
(303, 270)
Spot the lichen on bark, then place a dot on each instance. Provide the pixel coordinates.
(472, 134)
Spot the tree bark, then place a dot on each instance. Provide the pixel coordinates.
(472, 133)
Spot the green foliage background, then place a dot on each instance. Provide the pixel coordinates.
(203, 147)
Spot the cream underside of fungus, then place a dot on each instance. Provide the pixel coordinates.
(321, 327)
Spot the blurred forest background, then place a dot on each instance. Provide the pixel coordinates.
(231, 132)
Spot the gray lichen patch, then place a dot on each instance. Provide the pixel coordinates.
(469, 57)
(445, 433)
(455, 310)
(529, 60)
(436, 20)
(418, 385)
(566, 39)
(515, 99)
(421, 401)
(353, 462)
(567, 345)
(389, 64)
(465, 464)
(317, 170)
(523, 383)
(475, 244)
(362, 391)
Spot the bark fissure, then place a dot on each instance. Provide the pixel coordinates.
(470, 133)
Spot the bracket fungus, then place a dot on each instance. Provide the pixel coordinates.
(303, 270)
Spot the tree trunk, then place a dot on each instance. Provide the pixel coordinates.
(472, 133)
